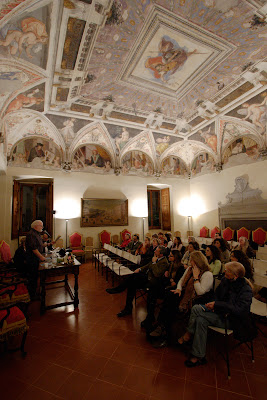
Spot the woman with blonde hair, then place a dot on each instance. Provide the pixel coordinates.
(233, 296)
(196, 281)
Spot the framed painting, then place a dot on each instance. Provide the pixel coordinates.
(104, 212)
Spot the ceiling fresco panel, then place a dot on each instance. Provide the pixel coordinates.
(241, 151)
(32, 98)
(27, 37)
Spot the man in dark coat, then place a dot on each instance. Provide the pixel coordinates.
(146, 276)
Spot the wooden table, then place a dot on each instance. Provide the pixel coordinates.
(59, 270)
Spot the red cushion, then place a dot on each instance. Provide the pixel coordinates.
(243, 232)
(105, 237)
(75, 240)
(213, 231)
(228, 233)
(204, 232)
(15, 322)
(5, 252)
(259, 236)
(15, 294)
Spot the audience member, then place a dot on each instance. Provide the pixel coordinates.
(34, 250)
(165, 244)
(147, 276)
(134, 244)
(168, 238)
(197, 280)
(239, 256)
(178, 245)
(245, 247)
(126, 241)
(233, 296)
(145, 251)
(155, 244)
(213, 255)
(225, 253)
(192, 246)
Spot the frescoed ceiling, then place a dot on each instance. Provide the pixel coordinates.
(175, 80)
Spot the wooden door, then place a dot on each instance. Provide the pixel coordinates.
(165, 209)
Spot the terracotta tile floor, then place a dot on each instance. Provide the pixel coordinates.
(91, 354)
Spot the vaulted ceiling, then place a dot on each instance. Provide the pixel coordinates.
(141, 87)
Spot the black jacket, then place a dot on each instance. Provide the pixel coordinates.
(234, 298)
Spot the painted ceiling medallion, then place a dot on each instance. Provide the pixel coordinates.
(159, 61)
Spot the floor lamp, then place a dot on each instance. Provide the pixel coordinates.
(144, 228)
(189, 232)
(67, 233)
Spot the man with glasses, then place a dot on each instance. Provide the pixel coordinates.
(34, 250)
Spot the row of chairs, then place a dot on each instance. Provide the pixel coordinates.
(258, 236)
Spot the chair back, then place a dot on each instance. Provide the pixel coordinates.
(115, 239)
(204, 232)
(89, 242)
(243, 232)
(259, 236)
(215, 230)
(59, 243)
(177, 234)
(228, 233)
(5, 252)
(76, 239)
(104, 237)
(123, 233)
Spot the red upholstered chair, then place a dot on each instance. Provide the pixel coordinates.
(76, 245)
(228, 234)
(5, 252)
(123, 234)
(13, 323)
(104, 237)
(259, 236)
(215, 230)
(204, 232)
(243, 232)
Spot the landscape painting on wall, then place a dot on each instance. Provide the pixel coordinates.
(104, 212)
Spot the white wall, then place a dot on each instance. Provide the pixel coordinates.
(74, 186)
(210, 188)
(213, 188)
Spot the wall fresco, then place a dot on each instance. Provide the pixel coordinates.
(32, 98)
(173, 166)
(137, 163)
(241, 151)
(36, 153)
(208, 136)
(92, 158)
(121, 135)
(203, 164)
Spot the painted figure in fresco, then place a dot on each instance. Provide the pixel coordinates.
(162, 144)
(36, 151)
(68, 132)
(210, 139)
(255, 112)
(23, 101)
(121, 140)
(170, 60)
(95, 160)
(33, 32)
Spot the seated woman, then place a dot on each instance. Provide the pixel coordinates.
(154, 245)
(167, 237)
(178, 245)
(213, 255)
(192, 246)
(245, 247)
(126, 241)
(197, 280)
(239, 256)
(145, 251)
(225, 253)
(234, 296)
